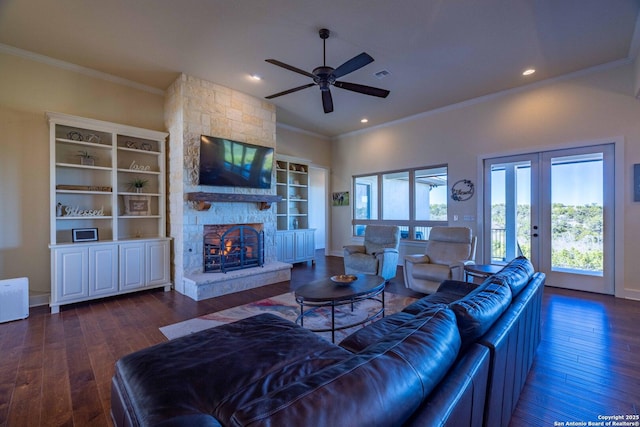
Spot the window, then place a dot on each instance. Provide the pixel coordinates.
(431, 194)
(413, 199)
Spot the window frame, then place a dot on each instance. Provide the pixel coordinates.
(411, 224)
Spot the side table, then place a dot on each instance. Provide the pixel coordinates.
(480, 271)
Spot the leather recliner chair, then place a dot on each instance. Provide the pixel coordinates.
(377, 255)
(448, 250)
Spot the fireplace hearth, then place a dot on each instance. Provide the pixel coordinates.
(232, 247)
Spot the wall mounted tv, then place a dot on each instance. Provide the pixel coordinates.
(228, 163)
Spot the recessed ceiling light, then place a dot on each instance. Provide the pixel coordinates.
(528, 72)
(256, 77)
(364, 120)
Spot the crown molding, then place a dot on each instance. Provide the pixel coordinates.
(302, 131)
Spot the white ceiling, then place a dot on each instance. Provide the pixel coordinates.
(439, 52)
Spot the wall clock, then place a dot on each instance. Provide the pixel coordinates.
(462, 190)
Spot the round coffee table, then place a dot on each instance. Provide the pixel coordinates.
(326, 293)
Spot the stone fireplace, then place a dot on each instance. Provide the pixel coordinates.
(195, 107)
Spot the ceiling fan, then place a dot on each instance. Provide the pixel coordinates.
(325, 76)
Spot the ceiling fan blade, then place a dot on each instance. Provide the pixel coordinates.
(295, 89)
(367, 90)
(290, 67)
(352, 65)
(327, 101)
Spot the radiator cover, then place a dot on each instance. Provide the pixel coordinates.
(14, 299)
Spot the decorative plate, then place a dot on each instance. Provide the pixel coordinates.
(344, 278)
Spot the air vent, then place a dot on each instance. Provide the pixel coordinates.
(381, 74)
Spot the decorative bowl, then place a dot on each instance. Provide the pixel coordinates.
(344, 279)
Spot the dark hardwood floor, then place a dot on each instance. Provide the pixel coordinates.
(55, 370)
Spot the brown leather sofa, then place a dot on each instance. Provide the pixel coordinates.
(457, 357)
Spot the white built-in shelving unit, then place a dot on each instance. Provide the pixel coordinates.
(295, 241)
(121, 243)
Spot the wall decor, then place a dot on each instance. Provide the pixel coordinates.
(84, 235)
(92, 137)
(75, 136)
(76, 211)
(462, 190)
(137, 167)
(340, 198)
(636, 182)
(137, 205)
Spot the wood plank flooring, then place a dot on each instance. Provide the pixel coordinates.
(55, 370)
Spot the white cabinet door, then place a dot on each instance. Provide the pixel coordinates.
(103, 270)
(157, 255)
(309, 244)
(132, 267)
(304, 245)
(288, 246)
(71, 273)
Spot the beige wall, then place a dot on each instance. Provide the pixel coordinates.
(27, 90)
(599, 106)
(304, 145)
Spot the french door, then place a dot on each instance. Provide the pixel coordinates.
(557, 209)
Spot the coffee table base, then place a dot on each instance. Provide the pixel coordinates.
(313, 306)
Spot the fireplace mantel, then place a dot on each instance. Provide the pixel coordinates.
(264, 200)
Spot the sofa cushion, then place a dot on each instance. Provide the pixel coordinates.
(219, 369)
(516, 274)
(433, 272)
(448, 292)
(477, 311)
(362, 263)
(372, 333)
(380, 386)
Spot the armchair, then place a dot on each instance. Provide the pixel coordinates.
(378, 255)
(448, 250)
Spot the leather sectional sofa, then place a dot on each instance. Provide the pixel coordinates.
(458, 357)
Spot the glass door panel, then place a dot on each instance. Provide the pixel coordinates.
(509, 208)
(576, 221)
(557, 209)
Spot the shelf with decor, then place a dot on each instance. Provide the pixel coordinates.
(107, 236)
(294, 239)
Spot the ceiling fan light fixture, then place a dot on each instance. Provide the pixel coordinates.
(325, 77)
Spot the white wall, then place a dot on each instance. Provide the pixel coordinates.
(318, 200)
(591, 106)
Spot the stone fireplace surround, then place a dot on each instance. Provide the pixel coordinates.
(195, 107)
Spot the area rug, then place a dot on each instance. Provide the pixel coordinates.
(285, 306)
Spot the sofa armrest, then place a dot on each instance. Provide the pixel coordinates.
(352, 249)
(417, 259)
(457, 270)
(385, 251)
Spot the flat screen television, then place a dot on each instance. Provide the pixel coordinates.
(228, 163)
